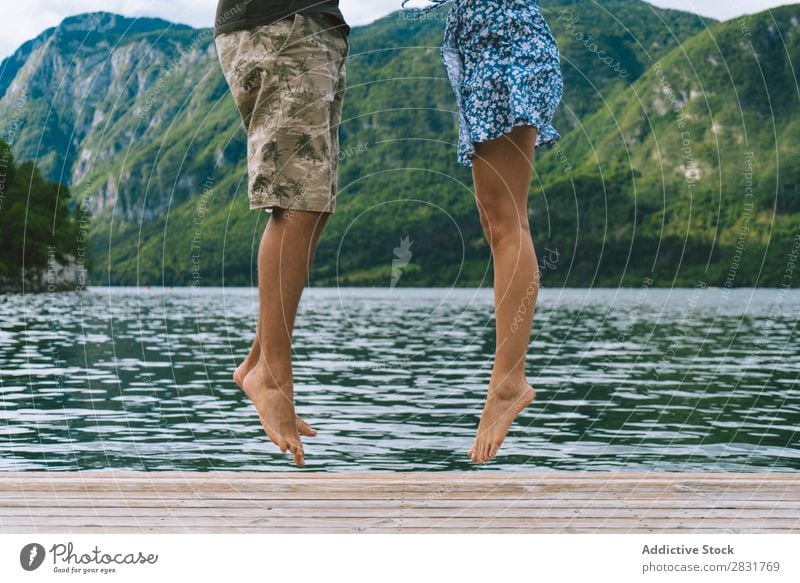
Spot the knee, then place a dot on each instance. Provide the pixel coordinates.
(503, 224)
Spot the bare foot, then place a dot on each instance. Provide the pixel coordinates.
(275, 406)
(503, 404)
(238, 377)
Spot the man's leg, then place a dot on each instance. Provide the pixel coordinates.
(247, 365)
(255, 349)
(282, 76)
(284, 260)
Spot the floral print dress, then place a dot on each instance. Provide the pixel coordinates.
(503, 64)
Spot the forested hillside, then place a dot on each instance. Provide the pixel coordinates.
(43, 242)
(672, 126)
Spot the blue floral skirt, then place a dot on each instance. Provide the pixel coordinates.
(503, 63)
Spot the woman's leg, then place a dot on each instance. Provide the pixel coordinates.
(502, 174)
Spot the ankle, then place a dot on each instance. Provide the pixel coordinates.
(270, 378)
(509, 388)
(245, 366)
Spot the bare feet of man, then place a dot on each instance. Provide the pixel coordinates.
(238, 377)
(503, 404)
(275, 406)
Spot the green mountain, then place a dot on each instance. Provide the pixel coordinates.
(695, 166)
(43, 242)
(135, 116)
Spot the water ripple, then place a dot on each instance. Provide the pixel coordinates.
(667, 380)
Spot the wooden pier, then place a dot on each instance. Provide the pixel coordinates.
(427, 502)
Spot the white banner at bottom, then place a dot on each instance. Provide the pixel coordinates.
(400, 558)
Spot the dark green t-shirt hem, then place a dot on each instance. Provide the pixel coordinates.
(247, 24)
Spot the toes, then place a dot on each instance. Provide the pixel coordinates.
(473, 452)
(290, 445)
(296, 448)
(305, 429)
(493, 450)
(307, 432)
(278, 440)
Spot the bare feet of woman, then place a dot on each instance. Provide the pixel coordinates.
(275, 406)
(238, 377)
(503, 404)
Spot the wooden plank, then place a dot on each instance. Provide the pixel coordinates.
(410, 476)
(333, 486)
(351, 530)
(385, 477)
(479, 501)
(579, 497)
(8, 515)
(397, 522)
(425, 478)
(443, 487)
(385, 505)
(177, 502)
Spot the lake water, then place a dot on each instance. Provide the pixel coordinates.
(635, 379)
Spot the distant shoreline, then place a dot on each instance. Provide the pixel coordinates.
(97, 288)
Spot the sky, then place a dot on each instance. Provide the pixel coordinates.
(30, 17)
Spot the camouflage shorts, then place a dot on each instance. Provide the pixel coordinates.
(288, 81)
